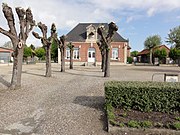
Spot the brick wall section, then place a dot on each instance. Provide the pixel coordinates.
(83, 51)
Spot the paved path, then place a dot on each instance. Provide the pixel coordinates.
(68, 103)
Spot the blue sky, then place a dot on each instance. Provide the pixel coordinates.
(136, 19)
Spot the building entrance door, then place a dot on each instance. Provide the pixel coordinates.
(91, 55)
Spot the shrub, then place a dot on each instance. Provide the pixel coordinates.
(144, 96)
(121, 124)
(133, 124)
(177, 118)
(129, 60)
(176, 125)
(146, 124)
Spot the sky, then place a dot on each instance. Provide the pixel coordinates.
(136, 19)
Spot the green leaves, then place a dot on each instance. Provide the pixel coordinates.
(152, 41)
(144, 96)
(174, 37)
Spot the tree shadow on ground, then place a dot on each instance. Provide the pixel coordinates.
(25, 72)
(89, 75)
(157, 70)
(96, 102)
(4, 82)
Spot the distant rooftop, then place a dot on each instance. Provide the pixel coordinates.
(78, 33)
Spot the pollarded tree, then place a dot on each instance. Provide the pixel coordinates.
(103, 54)
(71, 48)
(106, 38)
(18, 40)
(150, 43)
(47, 42)
(62, 46)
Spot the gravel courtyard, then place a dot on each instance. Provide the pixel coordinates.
(69, 103)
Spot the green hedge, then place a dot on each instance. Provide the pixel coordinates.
(144, 96)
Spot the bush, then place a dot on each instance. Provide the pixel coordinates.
(176, 125)
(129, 60)
(146, 124)
(144, 96)
(133, 124)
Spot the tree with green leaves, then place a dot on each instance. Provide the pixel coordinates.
(71, 48)
(134, 53)
(174, 37)
(175, 54)
(27, 52)
(18, 39)
(40, 53)
(160, 54)
(150, 43)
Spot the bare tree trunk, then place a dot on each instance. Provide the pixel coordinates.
(48, 61)
(103, 64)
(107, 64)
(71, 59)
(62, 49)
(62, 59)
(150, 57)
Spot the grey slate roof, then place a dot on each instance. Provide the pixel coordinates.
(78, 33)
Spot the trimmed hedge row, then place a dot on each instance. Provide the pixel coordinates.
(144, 96)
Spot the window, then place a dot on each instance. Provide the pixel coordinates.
(67, 53)
(76, 53)
(115, 53)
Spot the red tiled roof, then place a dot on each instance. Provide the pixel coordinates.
(146, 51)
(2, 49)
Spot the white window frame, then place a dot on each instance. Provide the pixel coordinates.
(67, 53)
(115, 53)
(76, 54)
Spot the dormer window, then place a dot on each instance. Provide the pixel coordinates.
(91, 33)
(91, 36)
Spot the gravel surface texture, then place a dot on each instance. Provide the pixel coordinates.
(70, 103)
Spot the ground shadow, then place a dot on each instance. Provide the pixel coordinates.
(25, 72)
(4, 82)
(87, 70)
(83, 74)
(96, 102)
(157, 70)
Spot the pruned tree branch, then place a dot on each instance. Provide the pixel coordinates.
(43, 29)
(28, 30)
(62, 39)
(21, 15)
(6, 33)
(8, 14)
(36, 35)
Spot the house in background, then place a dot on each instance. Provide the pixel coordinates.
(143, 56)
(84, 37)
(5, 55)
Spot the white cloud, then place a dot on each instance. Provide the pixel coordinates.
(67, 13)
(151, 12)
